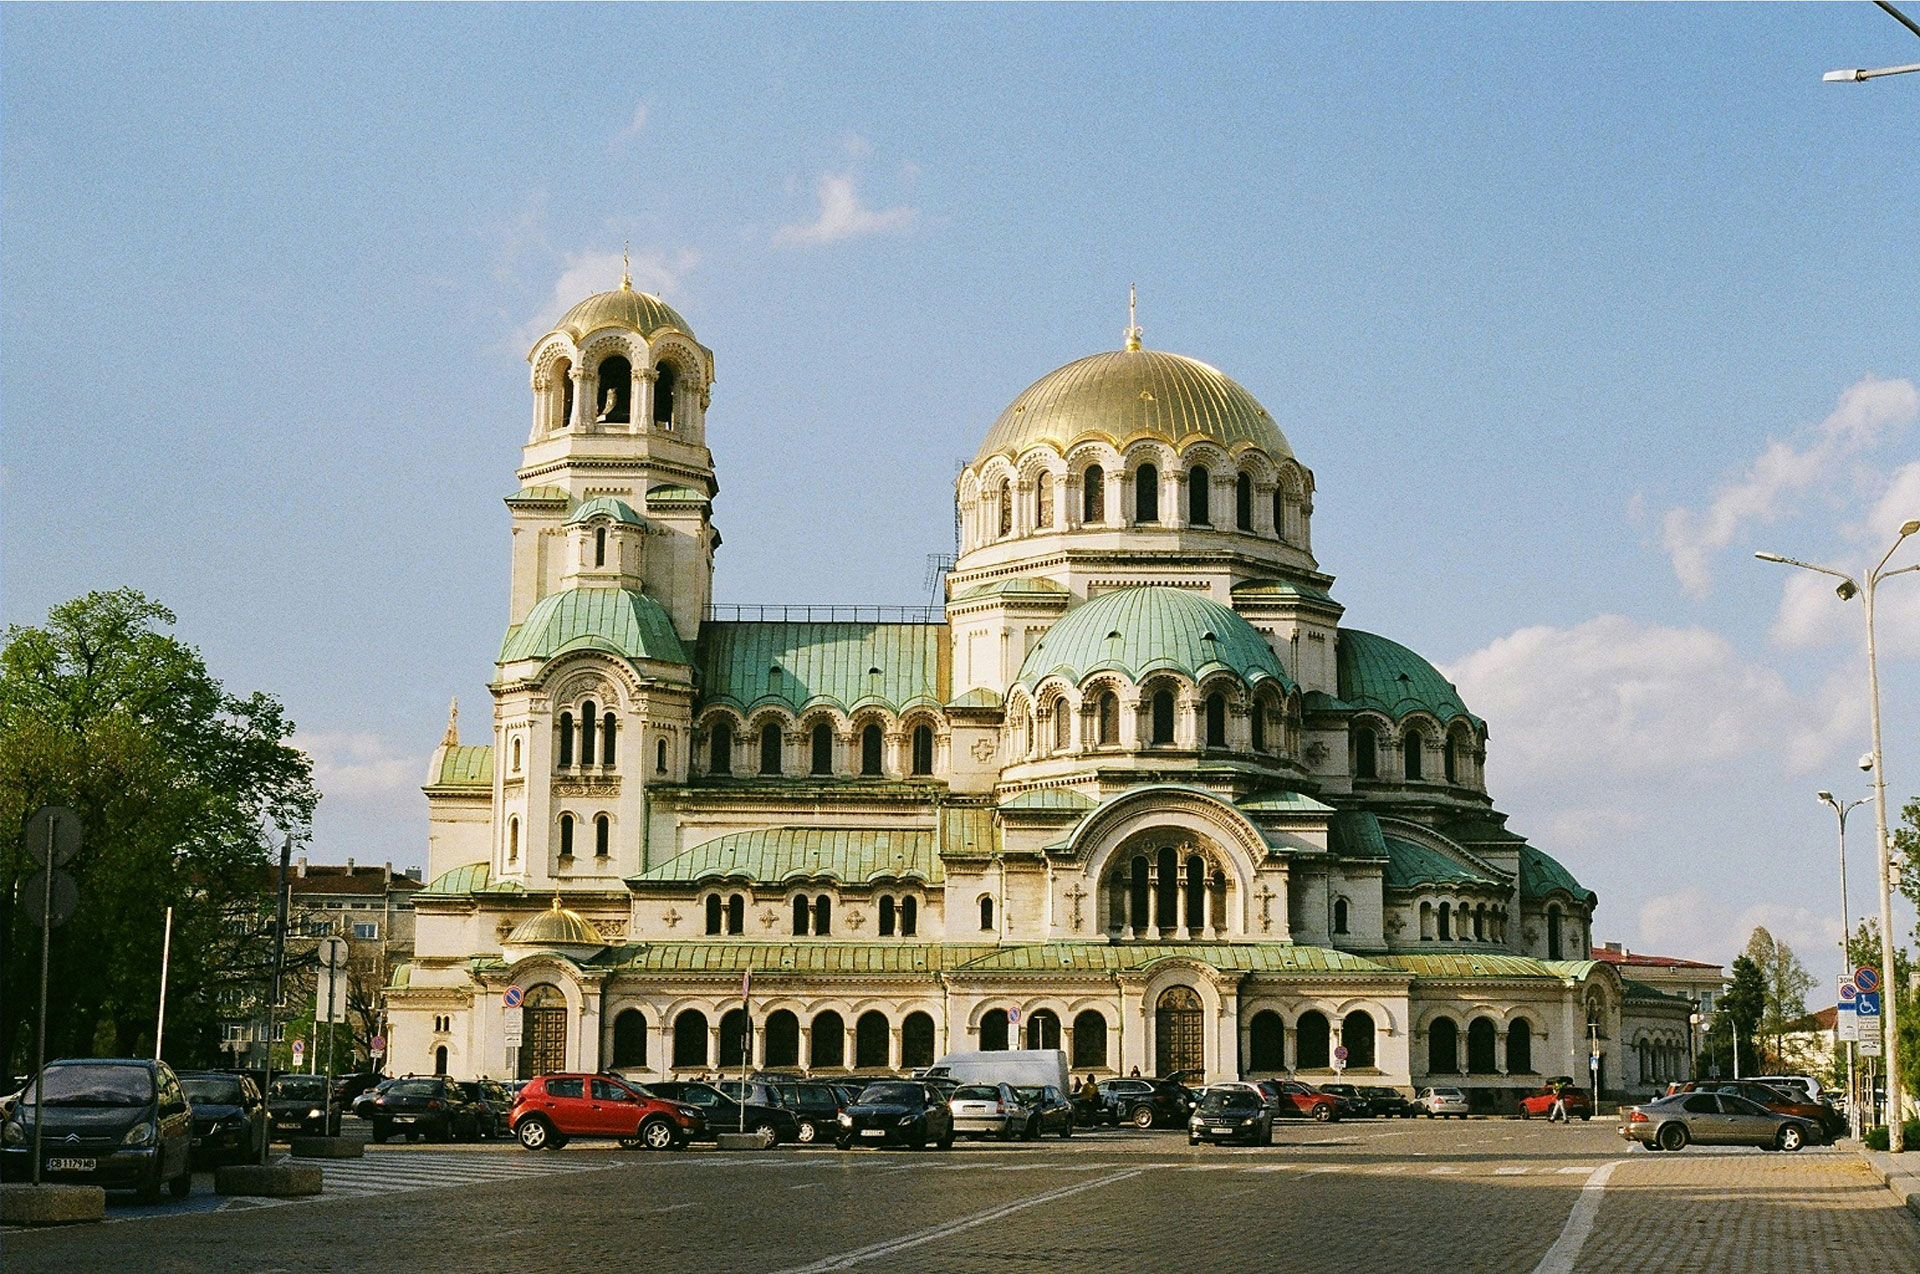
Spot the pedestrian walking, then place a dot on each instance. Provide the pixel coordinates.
(1558, 1112)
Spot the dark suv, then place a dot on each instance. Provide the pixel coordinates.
(816, 1106)
(229, 1117)
(113, 1122)
(897, 1112)
(434, 1108)
(722, 1113)
(1146, 1103)
(298, 1106)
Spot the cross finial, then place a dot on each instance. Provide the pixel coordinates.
(1133, 325)
(626, 266)
(452, 737)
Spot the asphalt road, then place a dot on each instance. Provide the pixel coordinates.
(1484, 1197)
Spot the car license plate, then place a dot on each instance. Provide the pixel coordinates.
(1221, 1132)
(873, 1132)
(72, 1165)
(404, 1119)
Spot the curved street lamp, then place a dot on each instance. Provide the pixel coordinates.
(1859, 76)
(1890, 1012)
(1842, 809)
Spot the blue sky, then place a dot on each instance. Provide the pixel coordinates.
(1569, 308)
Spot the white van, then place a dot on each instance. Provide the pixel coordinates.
(1019, 1066)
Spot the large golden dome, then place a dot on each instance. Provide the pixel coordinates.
(623, 308)
(1129, 394)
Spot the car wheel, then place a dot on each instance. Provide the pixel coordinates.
(843, 1143)
(1321, 1114)
(1143, 1117)
(946, 1140)
(768, 1134)
(1192, 1140)
(658, 1134)
(1673, 1137)
(1525, 1113)
(1032, 1131)
(182, 1185)
(381, 1131)
(534, 1133)
(1791, 1138)
(808, 1133)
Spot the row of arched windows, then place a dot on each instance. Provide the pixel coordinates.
(1661, 1061)
(772, 760)
(1162, 894)
(1454, 755)
(1443, 1047)
(1100, 722)
(611, 394)
(1312, 1042)
(780, 1045)
(602, 836)
(1042, 1030)
(1088, 493)
(592, 738)
(1463, 922)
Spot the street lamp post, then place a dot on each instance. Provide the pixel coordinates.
(1890, 1010)
(1841, 808)
(1856, 75)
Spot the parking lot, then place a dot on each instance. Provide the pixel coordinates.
(1482, 1195)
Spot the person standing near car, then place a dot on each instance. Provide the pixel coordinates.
(1558, 1112)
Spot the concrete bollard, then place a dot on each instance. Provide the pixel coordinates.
(741, 1141)
(327, 1148)
(51, 1204)
(268, 1181)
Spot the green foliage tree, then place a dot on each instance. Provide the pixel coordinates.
(1863, 948)
(1735, 1020)
(1784, 985)
(179, 786)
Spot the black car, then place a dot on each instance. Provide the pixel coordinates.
(1146, 1103)
(722, 1113)
(492, 1106)
(1389, 1103)
(362, 1105)
(297, 1105)
(897, 1112)
(110, 1122)
(346, 1088)
(817, 1106)
(1047, 1110)
(1231, 1113)
(229, 1117)
(434, 1108)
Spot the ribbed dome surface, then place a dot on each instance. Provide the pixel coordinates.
(623, 308)
(1386, 676)
(1128, 394)
(1137, 631)
(556, 927)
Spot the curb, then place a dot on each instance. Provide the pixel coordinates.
(24, 1204)
(1902, 1175)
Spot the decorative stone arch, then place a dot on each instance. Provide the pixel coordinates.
(561, 676)
(1154, 807)
(1384, 734)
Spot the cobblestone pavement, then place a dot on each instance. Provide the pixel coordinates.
(1480, 1197)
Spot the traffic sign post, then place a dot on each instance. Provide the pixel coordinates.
(1340, 1058)
(1866, 1011)
(1846, 1022)
(53, 838)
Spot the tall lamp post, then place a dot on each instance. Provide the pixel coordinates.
(1841, 808)
(1890, 1016)
(1857, 75)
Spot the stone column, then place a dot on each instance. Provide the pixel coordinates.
(1116, 483)
(1174, 492)
(582, 398)
(640, 400)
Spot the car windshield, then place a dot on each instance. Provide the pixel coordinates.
(890, 1094)
(1030, 1092)
(300, 1087)
(214, 1090)
(412, 1088)
(976, 1092)
(1231, 1099)
(95, 1086)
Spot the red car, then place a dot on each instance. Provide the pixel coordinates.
(553, 1109)
(1541, 1103)
(1291, 1099)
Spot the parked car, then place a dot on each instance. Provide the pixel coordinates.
(984, 1110)
(492, 1105)
(1389, 1103)
(722, 1113)
(1715, 1119)
(110, 1122)
(1146, 1103)
(1353, 1103)
(1443, 1103)
(1231, 1112)
(434, 1108)
(1047, 1111)
(551, 1110)
(362, 1105)
(1540, 1104)
(348, 1087)
(815, 1106)
(758, 1092)
(1780, 1098)
(297, 1105)
(897, 1112)
(1295, 1100)
(1807, 1084)
(229, 1117)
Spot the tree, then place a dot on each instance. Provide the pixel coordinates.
(1863, 948)
(1735, 1020)
(1784, 985)
(179, 786)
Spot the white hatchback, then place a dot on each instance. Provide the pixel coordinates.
(1441, 1103)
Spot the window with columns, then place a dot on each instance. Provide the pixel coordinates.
(922, 751)
(720, 749)
(666, 382)
(615, 376)
(822, 749)
(1163, 893)
(1243, 502)
(1146, 493)
(1199, 496)
(1003, 496)
(1093, 495)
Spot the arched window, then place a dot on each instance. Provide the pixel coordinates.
(734, 1040)
(1480, 923)
(1093, 495)
(1450, 761)
(513, 840)
(665, 382)
(986, 915)
(516, 754)
(1553, 933)
(1414, 749)
(660, 756)
(720, 749)
(566, 836)
(1062, 726)
(616, 390)
(1043, 1029)
(770, 748)
(1109, 714)
(1216, 721)
(1146, 494)
(690, 1040)
(1006, 509)
(1520, 1047)
(1243, 502)
(823, 915)
(1199, 496)
(823, 748)
(1089, 1040)
(886, 917)
(1266, 1042)
(600, 546)
(870, 753)
(909, 916)
(1480, 1047)
(562, 375)
(1445, 916)
(714, 907)
(1162, 718)
(736, 914)
(802, 913)
(1366, 753)
(440, 1060)
(1356, 1035)
(1443, 1047)
(1279, 514)
(630, 1038)
(1258, 722)
(916, 1041)
(1339, 915)
(781, 1039)
(1043, 500)
(993, 1031)
(829, 1041)
(1166, 891)
(602, 835)
(588, 716)
(607, 728)
(922, 750)
(566, 739)
(1313, 1042)
(872, 1042)
(1140, 896)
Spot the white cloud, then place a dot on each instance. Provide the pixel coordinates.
(844, 216)
(588, 272)
(362, 767)
(1694, 924)
(1868, 412)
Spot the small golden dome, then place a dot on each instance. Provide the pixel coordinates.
(623, 308)
(556, 927)
(1129, 394)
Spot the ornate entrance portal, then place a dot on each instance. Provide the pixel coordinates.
(544, 1028)
(1178, 1032)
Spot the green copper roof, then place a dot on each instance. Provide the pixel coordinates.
(968, 831)
(402, 975)
(1541, 874)
(1020, 584)
(1262, 589)
(1103, 957)
(617, 621)
(1137, 631)
(1280, 801)
(850, 855)
(1356, 834)
(538, 495)
(843, 665)
(609, 507)
(1384, 675)
(978, 697)
(466, 767)
(854, 959)
(667, 493)
(1472, 964)
(474, 878)
(1410, 866)
(1049, 798)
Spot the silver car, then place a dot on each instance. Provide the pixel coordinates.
(1443, 1103)
(986, 1110)
(1714, 1119)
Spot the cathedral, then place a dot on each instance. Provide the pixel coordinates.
(1134, 791)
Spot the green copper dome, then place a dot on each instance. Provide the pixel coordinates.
(617, 621)
(606, 506)
(1386, 676)
(1137, 631)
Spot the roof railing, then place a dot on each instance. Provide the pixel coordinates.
(779, 613)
